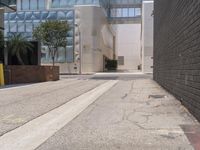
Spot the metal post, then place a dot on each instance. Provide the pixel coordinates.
(2, 82)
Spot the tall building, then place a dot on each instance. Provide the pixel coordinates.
(96, 32)
(3, 3)
(134, 40)
(5, 6)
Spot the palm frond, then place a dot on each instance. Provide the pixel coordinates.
(18, 45)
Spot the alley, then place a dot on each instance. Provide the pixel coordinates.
(134, 113)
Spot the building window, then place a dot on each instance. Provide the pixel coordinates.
(32, 4)
(125, 12)
(25, 5)
(137, 11)
(55, 3)
(71, 3)
(41, 4)
(120, 60)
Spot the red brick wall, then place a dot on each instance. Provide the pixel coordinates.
(31, 74)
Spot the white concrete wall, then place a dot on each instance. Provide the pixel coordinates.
(147, 36)
(97, 38)
(128, 37)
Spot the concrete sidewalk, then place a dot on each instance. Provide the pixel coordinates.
(133, 115)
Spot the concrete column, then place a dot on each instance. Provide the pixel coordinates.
(147, 36)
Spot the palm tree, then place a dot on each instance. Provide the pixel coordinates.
(18, 45)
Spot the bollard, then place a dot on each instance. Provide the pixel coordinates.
(2, 82)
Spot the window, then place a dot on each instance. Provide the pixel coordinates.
(121, 60)
(21, 26)
(25, 4)
(55, 3)
(32, 4)
(137, 11)
(125, 12)
(13, 26)
(41, 4)
(29, 26)
(63, 3)
(131, 12)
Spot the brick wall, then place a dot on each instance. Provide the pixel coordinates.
(30, 74)
(177, 50)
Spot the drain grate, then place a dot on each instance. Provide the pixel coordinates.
(157, 96)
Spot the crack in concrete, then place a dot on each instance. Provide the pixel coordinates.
(129, 92)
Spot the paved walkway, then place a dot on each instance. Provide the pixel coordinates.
(135, 114)
(127, 118)
(18, 105)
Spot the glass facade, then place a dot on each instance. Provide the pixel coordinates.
(126, 2)
(114, 8)
(71, 3)
(125, 8)
(32, 4)
(25, 21)
(125, 12)
(8, 2)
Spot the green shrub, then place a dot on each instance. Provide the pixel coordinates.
(111, 64)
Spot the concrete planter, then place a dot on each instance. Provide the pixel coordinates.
(30, 74)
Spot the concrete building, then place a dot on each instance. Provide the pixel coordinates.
(100, 30)
(3, 8)
(92, 38)
(134, 43)
(90, 17)
(128, 46)
(97, 38)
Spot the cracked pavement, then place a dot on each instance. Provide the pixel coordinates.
(127, 118)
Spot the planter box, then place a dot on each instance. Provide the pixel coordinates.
(30, 74)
